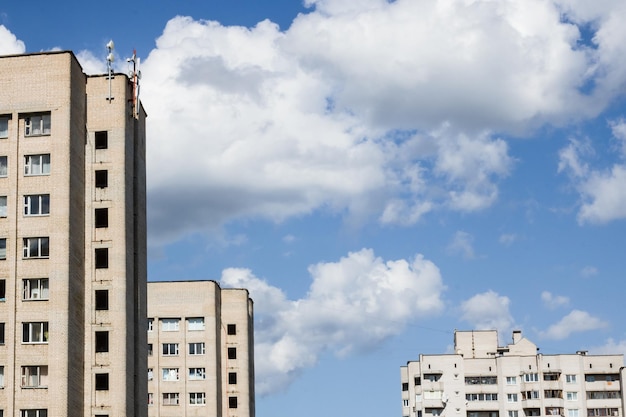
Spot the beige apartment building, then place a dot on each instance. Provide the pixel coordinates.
(482, 379)
(72, 241)
(200, 350)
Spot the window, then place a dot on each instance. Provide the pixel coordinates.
(196, 348)
(37, 125)
(232, 353)
(3, 205)
(150, 374)
(232, 378)
(4, 167)
(3, 290)
(405, 403)
(197, 374)
(231, 329)
(150, 324)
(150, 398)
(531, 377)
(476, 380)
(4, 127)
(405, 386)
(195, 323)
(149, 349)
(513, 413)
(37, 164)
(571, 396)
(511, 380)
(36, 247)
(3, 248)
(573, 413)
(601, 412)
(101, 217)
(1, 376)
(170, 325)
(170, 349)
(102, 299)
(197, 398)
(480, 397)
(102, 341)
(232, 402)
(34, 376)
(37, 205)
(530, 395)
(570, 379)
(434, 411)
(102, 382)
(102, 258)
(551, 376)
(603, 395)
(512, 398)
(35, 289)
(433, 395)
(102, 139)
(41, 412)
(35, 332)
(102, 178)
(170, 398)
(170, 374)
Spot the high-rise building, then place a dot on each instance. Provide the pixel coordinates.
(72, 240)
(483, 379)
(200, 350)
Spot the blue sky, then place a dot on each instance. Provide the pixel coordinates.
(377, 173)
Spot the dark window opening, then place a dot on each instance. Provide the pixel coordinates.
(102, 382)
(231, 329)
(102, 258)
(102, 139)
(1, 333)
(102, 178)
(3, 290)
(101, 216)
(232, 353)
(102, 299)
(232, 378)
(102, 341)
(405, 386)
(232, 402)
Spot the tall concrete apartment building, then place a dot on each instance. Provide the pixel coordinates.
(201, 350)
(72, 241)
(482, 379)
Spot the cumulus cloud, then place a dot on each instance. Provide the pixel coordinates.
(352, 305)
(602, 192)
(462, 244)
(9, 44)
(375, 108)
(611, 347)
(576, 321)
(488, 311)
(552, 301)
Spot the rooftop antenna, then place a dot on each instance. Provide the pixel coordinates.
(110, 59)
(135, 75)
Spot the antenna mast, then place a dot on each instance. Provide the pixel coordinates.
(135, 76)
(110, 59)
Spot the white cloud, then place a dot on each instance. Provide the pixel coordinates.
(369, 109)
(507, 239)
(9, 44)
(611, 347)
(589, 271)
(576, 321)
(552, 301)
(360, 291)
(488, 311)
(462, 244)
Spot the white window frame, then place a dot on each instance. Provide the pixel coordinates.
(405, 403)
(571, 395)
(37, 205)
(532, 377)
(511, 398)
(197, 374)
(39, 412)
(150, 398)
(171, 398)
(170, 325)
(511, 380)
(35, 376)
(573, 412)
(194, 347)
(195, 323)
(3, 205)
(3, 248)
(197, 398)
(4, 166)
(35, 289)
(150, 374)
(571, 378)
(36, 247)
(37, 164)
(150, 324)
(37, 125)
(169, 374)
(35, 332)
(513, 413)
(1, 376)
(171, 350)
